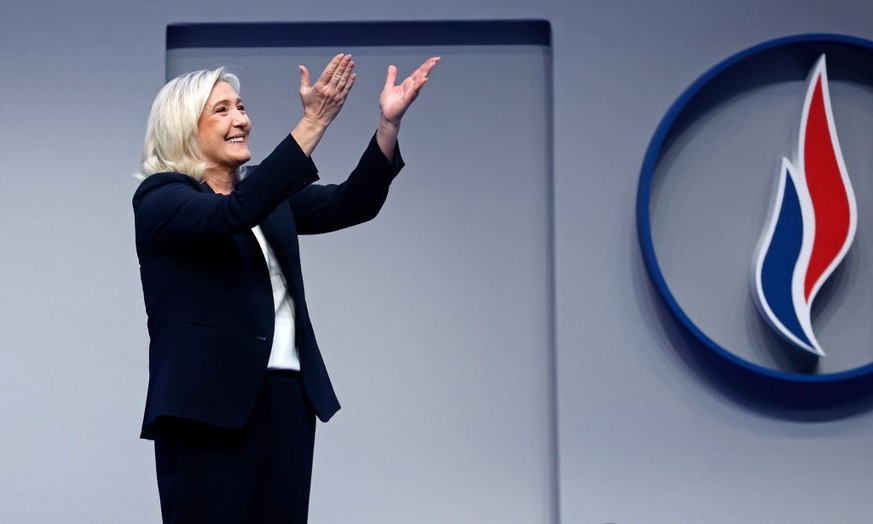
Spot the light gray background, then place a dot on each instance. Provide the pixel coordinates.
(641, 437)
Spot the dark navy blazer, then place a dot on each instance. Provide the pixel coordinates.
(207, 287)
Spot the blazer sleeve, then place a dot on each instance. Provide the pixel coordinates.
(170, 209)
(325, 208)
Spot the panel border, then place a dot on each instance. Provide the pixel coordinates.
(351, 34)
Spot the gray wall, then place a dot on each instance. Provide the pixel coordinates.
(641, 436)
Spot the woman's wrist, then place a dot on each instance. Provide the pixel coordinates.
(386, 136)
(308, 133)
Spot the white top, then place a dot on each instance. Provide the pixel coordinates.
(283, 355)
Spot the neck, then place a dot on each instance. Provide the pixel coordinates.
(220, 182)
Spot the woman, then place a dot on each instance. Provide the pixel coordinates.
(235, 374)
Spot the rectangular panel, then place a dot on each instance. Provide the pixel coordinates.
(435, 319)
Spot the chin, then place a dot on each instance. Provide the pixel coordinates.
(242, 158)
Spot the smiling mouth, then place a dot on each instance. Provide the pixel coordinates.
(236, 140)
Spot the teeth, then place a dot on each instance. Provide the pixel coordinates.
(237, 139)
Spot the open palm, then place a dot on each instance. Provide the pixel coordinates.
(396, 99)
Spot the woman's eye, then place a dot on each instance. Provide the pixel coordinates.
(221, 109)
(241, 108)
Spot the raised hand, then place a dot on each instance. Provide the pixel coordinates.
(396, 99)
(323, 101)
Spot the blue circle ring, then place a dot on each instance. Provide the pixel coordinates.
(773, 61)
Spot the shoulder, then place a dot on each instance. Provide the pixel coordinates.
(159, 180)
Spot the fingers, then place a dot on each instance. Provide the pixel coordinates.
(344, 76)
(414, 82)
(327, 74)
(338, 71)
(419, 76)
(323, 100)
(349, 83)
(424, 69)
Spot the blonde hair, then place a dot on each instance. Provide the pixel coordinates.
(171, 143)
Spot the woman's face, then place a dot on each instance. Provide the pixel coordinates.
(223, 130)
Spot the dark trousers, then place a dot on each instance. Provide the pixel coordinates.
(258, 474)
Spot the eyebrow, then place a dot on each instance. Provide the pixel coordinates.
(225, 101)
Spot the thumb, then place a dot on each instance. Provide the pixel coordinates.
(304, 77)
(391, 77)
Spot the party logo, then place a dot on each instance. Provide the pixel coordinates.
(752, 163)
(811, 224)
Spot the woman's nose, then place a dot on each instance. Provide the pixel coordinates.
(240, 119)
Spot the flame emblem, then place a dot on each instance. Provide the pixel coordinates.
(811, 224)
